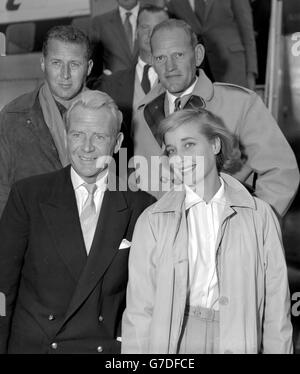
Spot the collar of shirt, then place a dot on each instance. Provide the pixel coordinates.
(140, 70)
(81, 192)
(172, 98)
(133, 19)
(192, 198)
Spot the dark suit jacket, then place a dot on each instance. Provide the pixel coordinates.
(227, 34)
(108, 31)
(55, 293)
(120, 86)
(26, 145)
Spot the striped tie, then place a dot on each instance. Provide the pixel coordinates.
(88, 217)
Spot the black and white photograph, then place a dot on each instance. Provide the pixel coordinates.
(149, 180)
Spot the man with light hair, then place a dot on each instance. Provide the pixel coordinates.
(32, 126)
(266, 153)
(65, 239)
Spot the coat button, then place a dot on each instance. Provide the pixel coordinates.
(54, 345)
(223, 300)
(51, 317)
(101, 319)
(28, 121)
(99, 349)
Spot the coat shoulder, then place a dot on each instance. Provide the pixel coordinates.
(21, 103)
(233, 87)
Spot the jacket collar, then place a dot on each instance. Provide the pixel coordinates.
(203, 88)
(235, 193)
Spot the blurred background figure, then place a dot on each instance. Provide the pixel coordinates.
(128, 87)
(114, 34)
(226, 29)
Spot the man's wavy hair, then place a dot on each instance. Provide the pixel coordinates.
(211, 126)
(67, 34)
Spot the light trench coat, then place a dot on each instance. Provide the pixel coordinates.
(252, 277)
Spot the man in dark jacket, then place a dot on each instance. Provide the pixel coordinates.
(32, 129)
(64, 243)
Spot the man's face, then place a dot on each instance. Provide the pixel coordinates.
(65, 68)
(175, 60)
(146, 22)
(127, 4)
(92, 138)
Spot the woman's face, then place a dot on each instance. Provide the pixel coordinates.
(191, 155)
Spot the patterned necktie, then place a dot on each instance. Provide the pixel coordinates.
(145, 83)
(128, 30)
(88, 217)
(200, 9)
(177, 103)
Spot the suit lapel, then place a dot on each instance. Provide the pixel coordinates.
(112, 224)
(208, 7)
(61, 216)
(188, 14)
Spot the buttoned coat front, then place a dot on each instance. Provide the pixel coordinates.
(58, 299)
(252, 277)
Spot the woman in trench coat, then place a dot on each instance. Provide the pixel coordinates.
(186, 293)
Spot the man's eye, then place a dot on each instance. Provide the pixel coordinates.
(56, 63)
(74, 65)
(160, 59)
(99, 137)
(179, 55)
(76, 135)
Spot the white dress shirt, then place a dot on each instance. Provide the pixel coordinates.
(203, 221)
(151, 72)
(172, 98)
(82, 194)
(132, 19)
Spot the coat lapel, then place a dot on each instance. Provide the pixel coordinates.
(35, 123)
(208, 7)
(61, 216)
(188, 14)
(112, 224)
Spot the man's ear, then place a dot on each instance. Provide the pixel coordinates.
(119, 141)
(90, 67)
(216, 145)
(199, 54)
(42, 61)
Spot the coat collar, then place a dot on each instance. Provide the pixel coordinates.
(235, 193)
(203, 88)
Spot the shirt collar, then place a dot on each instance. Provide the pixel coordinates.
(189, 90)
(191, 198)
(134, 11)
(101, 181)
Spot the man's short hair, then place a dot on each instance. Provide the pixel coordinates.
(67, 34)
(152, 9)
(96, 100)
(171, 24)
(211, 126)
